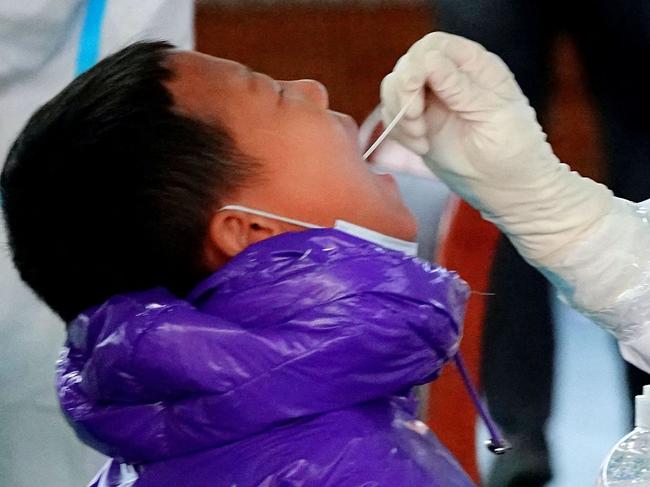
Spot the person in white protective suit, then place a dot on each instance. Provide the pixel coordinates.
(478, 133)
(43, 45)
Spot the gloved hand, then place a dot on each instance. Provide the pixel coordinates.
(478, 133)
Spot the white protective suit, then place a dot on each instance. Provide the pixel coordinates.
(478, 133)
(43, 44)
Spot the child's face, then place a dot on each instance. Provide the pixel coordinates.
(313, 169)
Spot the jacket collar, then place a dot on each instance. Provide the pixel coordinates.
(294, 326)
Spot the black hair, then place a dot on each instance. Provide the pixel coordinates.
(110, 188)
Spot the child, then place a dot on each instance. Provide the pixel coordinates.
(242, 309)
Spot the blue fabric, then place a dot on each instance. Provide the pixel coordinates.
(90, 40)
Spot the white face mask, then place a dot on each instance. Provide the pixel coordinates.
(404, 246)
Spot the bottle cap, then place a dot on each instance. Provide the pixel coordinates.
(642, 409)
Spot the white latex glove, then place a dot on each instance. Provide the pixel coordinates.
(479, 134)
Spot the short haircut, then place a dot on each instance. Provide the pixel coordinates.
(110, 189)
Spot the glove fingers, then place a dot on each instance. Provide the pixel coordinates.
(419, 145)
(407, 80)
(463, 52)
(485, 75)
(399, 87)
(410, 73)
(414, 128)
(415, 106)
(509, 89)
(410, 78)
(458, 91)
(389, 97)
(484, 68)
(394, 96)
(450, 85)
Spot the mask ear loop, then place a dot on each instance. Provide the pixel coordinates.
(391, 125)
(266, 214)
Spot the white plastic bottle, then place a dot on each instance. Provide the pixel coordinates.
(628, 464)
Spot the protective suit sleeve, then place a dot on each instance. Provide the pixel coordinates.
(606, 276)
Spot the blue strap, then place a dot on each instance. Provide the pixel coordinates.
(91, 32)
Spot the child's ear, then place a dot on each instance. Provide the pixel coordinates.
(230, 232)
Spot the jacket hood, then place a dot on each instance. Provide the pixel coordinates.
(296, 325)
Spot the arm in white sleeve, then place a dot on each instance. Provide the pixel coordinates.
(478, 133)
(606, 275)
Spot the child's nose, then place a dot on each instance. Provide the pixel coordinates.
(312, 89)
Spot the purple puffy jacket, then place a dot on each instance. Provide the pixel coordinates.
(292, 365)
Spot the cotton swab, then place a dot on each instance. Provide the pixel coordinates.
(391, 125)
